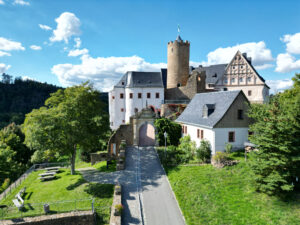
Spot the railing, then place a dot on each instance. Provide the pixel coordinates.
(176, 101)
(37, 209)
(25, 175)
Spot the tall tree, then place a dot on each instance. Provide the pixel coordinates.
(72, 118)
(276, 133)
(173, 131)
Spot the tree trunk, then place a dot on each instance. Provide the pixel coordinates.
(73, 161)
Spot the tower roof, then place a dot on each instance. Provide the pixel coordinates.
(178, 38)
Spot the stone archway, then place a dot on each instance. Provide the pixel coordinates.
(147, 135)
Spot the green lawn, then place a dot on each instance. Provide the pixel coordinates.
(100, 166)
(65, 188)
(207, 195)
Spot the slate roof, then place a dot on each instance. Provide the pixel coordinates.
(141, 79)
(213, 72)
(193, 113)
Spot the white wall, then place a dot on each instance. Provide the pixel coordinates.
(221, 134)
(208, 134)
(259, 94)
(218, 137)
(116, 117)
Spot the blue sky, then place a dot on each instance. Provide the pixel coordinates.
(117, 36)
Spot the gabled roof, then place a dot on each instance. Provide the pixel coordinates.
(213, 72)
(141, 79)
(193, 114)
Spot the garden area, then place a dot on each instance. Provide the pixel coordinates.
(63, 194)
(209, 195)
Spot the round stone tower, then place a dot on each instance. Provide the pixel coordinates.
(178, 63)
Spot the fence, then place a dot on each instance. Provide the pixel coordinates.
(37, 209)
(25, 175)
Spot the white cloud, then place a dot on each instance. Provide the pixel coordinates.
(260, 54)
(292, 43)
(279, 85)
(4, 53)
(67, 26)
(104, 72)
(21, 2)
(77, 42)
(3, 68)
(286, 63)
(2, 2)
(8, 45)
(35, 47)
(28, 78)
(44, 27)
(78, 52)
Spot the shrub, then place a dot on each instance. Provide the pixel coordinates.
(204, 151)
(173, 130)
(220, 157)
(228, 148)
(119, 209)
(172, 155)
(188, 147)
(5, 185)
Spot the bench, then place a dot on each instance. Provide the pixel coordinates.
(47, 174)
(52, 168)
(17, 204)
(49, 177)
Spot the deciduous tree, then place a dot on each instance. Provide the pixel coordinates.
(71, 118)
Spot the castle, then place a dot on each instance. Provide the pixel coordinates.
(170, 90)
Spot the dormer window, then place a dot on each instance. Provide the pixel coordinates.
(215, 75)
(208, 109)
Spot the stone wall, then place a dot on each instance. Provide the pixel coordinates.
(124, 132)
(114, 218)
(72, 218)
(195, 84)
(98, 157)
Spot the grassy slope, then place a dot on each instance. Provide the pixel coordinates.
(100, 166)
(65, 187)
(207, 195)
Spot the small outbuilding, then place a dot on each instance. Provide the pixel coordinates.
(218, 117)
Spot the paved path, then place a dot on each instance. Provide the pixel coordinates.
(147, 196)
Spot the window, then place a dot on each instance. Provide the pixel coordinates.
(249, 79)
(211, 85)
(231, 136)
(184, 129)
(111, 123)
(139, 95)
(122, 109)
(121, 95)
(241, 79)
(250, 133)
(249, 93)
(123, 121)
(130, 95)
(240, 114)
(123, 83)
(113, 97)
(233, 67)
(242, 67)
(226, 81)
(200, 134)
(136, 110)
(148, 95)
(232, 80)
(157, 95)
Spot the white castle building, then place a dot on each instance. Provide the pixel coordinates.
(135, 91)
(180, 82)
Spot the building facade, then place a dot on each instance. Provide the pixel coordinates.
(135, 91)
(218, 117)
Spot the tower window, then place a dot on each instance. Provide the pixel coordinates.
(157, 94)
(139, 95)
(121, 95)
(148, 95)
(130, 95)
